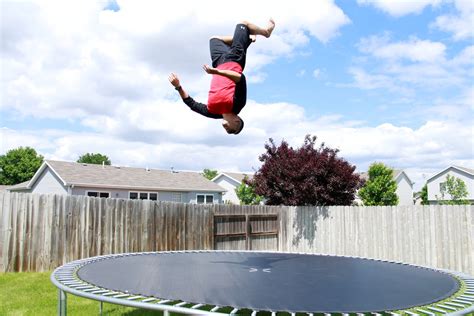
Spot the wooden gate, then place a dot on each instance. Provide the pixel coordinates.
(246, 232)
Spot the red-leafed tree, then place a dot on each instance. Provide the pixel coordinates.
(307, 175)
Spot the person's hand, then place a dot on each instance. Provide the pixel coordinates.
(210, 70)
(174, 80)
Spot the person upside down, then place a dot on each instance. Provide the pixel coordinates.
(228, 92)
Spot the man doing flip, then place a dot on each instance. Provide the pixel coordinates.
(228, 92)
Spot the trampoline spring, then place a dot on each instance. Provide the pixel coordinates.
(454, 304)
(254, 313)
(215, 308)
(99, 291)
(132, 298)
(467, 298)
(148, 299)
(110, 293)
(121, 296)
(446, 307)
(426, 312)
(436, 309)
(412, 313)
(197, 306)
(181, 304)
(457, 300)
(91, 289)
(163, 302)
(234, 311)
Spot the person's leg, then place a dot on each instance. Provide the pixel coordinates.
(256, 30)
(227, 39)
(218, 49)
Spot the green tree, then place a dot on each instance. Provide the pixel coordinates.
(19, 165)
(380, 187)
(456, 189)
(246, 194)
(424, 195)
(92, 158)
(209, 173)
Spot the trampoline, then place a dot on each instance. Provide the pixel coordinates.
(217, 282)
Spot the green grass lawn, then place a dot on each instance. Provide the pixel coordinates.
(33, 294)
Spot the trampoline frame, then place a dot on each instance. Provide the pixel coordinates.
(65, 278)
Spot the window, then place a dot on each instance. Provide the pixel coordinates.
(143, 196)
(98, 194)
(204, 198)
(176, 197)
(442, 187)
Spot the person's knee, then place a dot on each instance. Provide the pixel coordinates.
(244, 22)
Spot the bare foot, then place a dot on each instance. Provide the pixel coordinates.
(253, 38)
(270, 27)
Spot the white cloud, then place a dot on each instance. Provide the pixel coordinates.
(429, 146)
(414, 49)
(402, 66)
(317, 73)
(64, 59)
(400, 8)
(461, 25)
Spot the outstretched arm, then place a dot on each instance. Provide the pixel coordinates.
(232, 75)
(193, 105)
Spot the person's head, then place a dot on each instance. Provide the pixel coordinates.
(232, 123)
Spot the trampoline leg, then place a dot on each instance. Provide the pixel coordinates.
(62, 303)
(166, 313)
(101, 306)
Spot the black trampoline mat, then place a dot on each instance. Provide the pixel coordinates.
(272, 281)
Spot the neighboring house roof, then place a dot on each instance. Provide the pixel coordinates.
(23, 185)
(464, 169)
(4, 187)
(91, 175)
(396, 174)
(238, 177)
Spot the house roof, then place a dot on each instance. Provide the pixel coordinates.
(238, 177)
(17, 186)
(92, 175)
(464, 169)
(4, 187)
(396, 173)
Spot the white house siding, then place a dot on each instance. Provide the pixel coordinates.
(404, 190)
(230, 185)
(48, 183)
(434, 184)
(186, 197)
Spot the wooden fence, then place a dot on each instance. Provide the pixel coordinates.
(41, 232)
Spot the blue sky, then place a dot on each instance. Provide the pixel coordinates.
(381, 80)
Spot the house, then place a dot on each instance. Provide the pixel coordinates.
(436, 183)
(404, 187)
(60, 177)
(230, 181)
